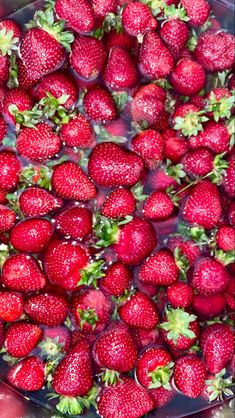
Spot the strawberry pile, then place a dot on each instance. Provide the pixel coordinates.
(116, 204)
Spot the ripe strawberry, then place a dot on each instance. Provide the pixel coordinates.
(55, 341)
(26, 79)
(21, 338)
(3, 198)
(174, 146)
(155, 59)
(175, 34)
(80, 16)
(120, 72)
(209, 276)
(91, 310)
(139, 311)
(22, 273)
(158, 206)
(11, 306)
(31, 235)
(215, 136)
(148, 105)
(74, 221)
(9, 170)
(160, 269)
(119, 203)
(47, 309)
(149, 145)
(28, 374)
(111, 165)
(228, 180)
(102, 8)
(4, 69)
(217, 343)
(161, 396)
(225, 238)
(208, 307)
(122, 39)
(99, 105)
(38, 144)
(214, 51)
(198, 12)
(65, 179)
(127, 397)
(190, 375)
(137, 19)
(78, 132)
(220, 103)
(117, 279)
(11, 25)
(38, 202)
(7, 218)
(203, 206)
(180, 295)
(198, 162)
(16, 98)
(3, 129)
(145, 337)
(231, 213)
(188, 77)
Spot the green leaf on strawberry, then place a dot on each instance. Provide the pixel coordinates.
(190, 124)
(161, 377)
(225, 258)
(219, 386)
(110, 377)
(8, 43)
(13, 73)
(177, 324)
(175, 171)
(221, 108)
(88, 316)
(182, 262)
(28, 118)
(75, 405)
(92, 273)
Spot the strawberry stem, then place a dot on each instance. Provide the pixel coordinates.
(177, 324)
(161, 377)
(8, 43)
(92, 273)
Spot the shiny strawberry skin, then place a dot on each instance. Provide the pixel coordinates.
(99, 105)
(11, 25)
(137, 19)
(3, 129)
(120, 72)
(38, 202)
(229, 178)
(4, 69)
(207, 307)
(209, 276)
(77, 132)
(11, 306)
(180, 295)
(175, 34)
(47, 309)
(188, 77)
(158, 206)
(225, 238)
(122, 39)
(159, 269)
(31, 235)
(117, 279)
(150, 360)
(198, 162)
(174, 147)
(28, 374)
(190, 375)
(9, 170)
(80, 16)
(74, 221)
(149, 145)
(21, 338)
(102, 8)
(215, 136)
(198, 11)
(118, 204)
(19, 98)
(148, 105)
(139, 311)
(7, 218)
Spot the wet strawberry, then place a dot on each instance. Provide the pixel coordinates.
(11, 306)
(117, 279)
(190, 375)
(188, 77)
(38, 202)
(139, 311)
(158, 206)
(7, 218)
(31, 235)
(149, 145)
(120, 71)
(148, 105)
(198, 12)
(209, 276)
(180, 295)
(9, 170)
(77, 132)
(225, 238)
(138, 19)
(215, 136)
(174, 146)
(210, 306)
(28, 374)
(3, 129)
(74, 221)
(21, 338)
(16, 99)
(80, 16)
(175, 34)
(160, 269)
(46, 309)
(99, 105)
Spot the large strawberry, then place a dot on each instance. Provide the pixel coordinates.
(188, 77)
(11, 306)
(198, 11)
(9, 170)
(31, 235)
(139, 311)
(74, 221)
(99, 105)
(138, 19)
(175, 34)
(190, 375)
(27, 374)
(34, 201)
(159, 269)
(47, 309)
(120, 71)
(79, 15)
(21, 338)
(77, 132)
(209, 276)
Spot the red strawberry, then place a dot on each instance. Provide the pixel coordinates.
(38, 202)
(225, 238)
(55, 341)
(203, 206)
(215, 136)
(117, 279)
(99, 105)
(180, 295)
(198, 162)
(47, 309)
(22, 273)
(11, 26)
(3, 198)
(229, 180)
(208, 307)
(127, 397)
(139, 311)
(138, 19)
(145, 337)
(190, 375)
(26, 79)
(91, 310)
(11, 306)
(149, 145)
(28, 374)
(111, 165)
(9, 170)
(119, 203)
(3, 129)
(217, 343)
(74, 221)
(21, 338)
(102, 8)
(161, 396)
(80, 16)
(122, 39)
(160, 269)
(158, 206)
(120, 72)
(188, 77)
(7, 218)
(148, 105)
(4, 69)
(209, 276)
(77, 132)
(31, 235)
(16, 98)
(215, 51)
(198, 12)
(220, 103)
(155, 60)
(38, 144)
(175, 34)
(65, 179)
(174, 147)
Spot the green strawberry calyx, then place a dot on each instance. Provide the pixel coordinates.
(175, 171)
(13, 73)
(182, 262)
(161, 377)
(8, 43)
(225, 257)
(50, 348)
(219, 386)
(110, 377)
(88, 316)
(36, 176)
(190, 124)
(195, 233)
(4, 253)
(138, 193)
(75, 405)
(52, 108)
(219, 167)
(103, 135)
(27, 118)
(111, 21)
(107, 230)
(178, 324)
(91, 273)
(221, 108)
(175, 12)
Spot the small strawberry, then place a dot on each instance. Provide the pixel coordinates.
(21, 338)
(9, 170)
(11, 306)
(149, 145)
(28, 374)
(99, 105)
(120, 72)
(22, 273)
(137, 19)
(158, 206)
(188, 77)
(174, 146)
(117, 279)
(225, 238)
(34, 201)
(160, 269)
(209, 276)
(148, 105)
(188, 119)
(139, 311)
(198, 12)
(119, 203)
(228, 180)
(80, 16)
(207, 307)
(16, 100)
(3, 129)
(55, 342)
(180, 295)
(47, 309)
(215, 136)
(31, 235)
(190, 375)
(74, 221)
(77, 132)
(7, 218)
(175, 34)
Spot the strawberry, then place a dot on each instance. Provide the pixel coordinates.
(160, 269)
(149, 145)
(28, 374)
(11, 306)
(155, 59)
(34, 201)
(161, 396)
(158, 206)
(119, 203)
(3, 129)
(215, 136)
(198, 162)
(145, 337)
(208, 307)
(9, 170)
(11, 30)
(74, 221)
(31, 235)
(99, 105)
(217, 386)
(203, 206)
(217, 343)
(188, 120)
(137, 19)
(198, 12)
(209, 276)
(16, 100)
(220, 103)
(127, 397)
(7, 218)
(175, 34)
(214, 51)
(4, 69)
(148, 105)
(174, 146)
(180, 295)
(188, 77)
(225, 238)
(117, 279)
(22, 273)
(228, 180)
(77, 132)
(38, 144)
(3, 198)
(80, 16)
(55, 341)
(139, 311)
(91, 310)
(26, 79)
(190, 375)
(47, 309)
(65, 179)
(21, 338)
(120, 72)
(111, 165)
(122, 39)
(102, 8)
